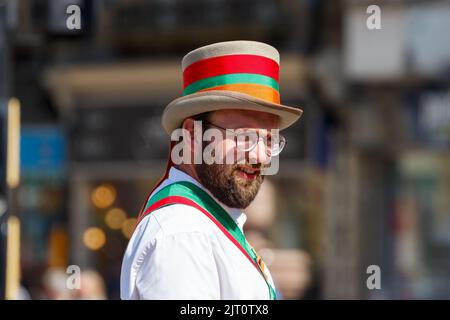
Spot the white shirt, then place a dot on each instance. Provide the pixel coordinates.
(176, 252)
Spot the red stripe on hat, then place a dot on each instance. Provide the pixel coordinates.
(236, 63)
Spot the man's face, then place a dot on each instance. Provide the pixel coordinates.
(236, 185)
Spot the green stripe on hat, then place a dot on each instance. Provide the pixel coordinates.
(231, 79)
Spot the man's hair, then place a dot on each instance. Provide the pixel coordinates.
(203, 117)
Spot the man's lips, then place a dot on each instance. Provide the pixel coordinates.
(248, 172)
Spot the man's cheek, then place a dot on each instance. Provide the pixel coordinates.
(271, 168)
(230, 152)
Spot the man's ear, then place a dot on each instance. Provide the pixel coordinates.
(190, 134)
(188, 124)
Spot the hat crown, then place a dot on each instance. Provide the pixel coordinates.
(248, 67)
(229, 48)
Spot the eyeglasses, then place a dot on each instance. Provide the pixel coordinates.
(246, 140)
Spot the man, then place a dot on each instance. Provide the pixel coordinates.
(189, 243)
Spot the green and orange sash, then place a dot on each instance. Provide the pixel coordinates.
(187, 193)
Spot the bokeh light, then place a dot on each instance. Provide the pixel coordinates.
(94, 238)
(103, 196)
(115, 218)
(128, 227)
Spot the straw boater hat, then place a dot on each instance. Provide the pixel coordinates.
(240, 75)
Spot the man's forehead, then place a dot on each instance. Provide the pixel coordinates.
(245, 118)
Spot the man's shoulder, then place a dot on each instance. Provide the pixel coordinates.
(162, 237)
(176, 219)
(173, 223)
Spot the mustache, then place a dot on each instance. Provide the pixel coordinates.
(257, 166)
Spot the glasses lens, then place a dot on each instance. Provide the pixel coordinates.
(275, 145)
(246, 140)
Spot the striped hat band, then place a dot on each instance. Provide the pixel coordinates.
(246, 67)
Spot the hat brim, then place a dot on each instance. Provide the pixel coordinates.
(200, 102)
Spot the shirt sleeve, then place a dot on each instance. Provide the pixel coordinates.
(179, 266)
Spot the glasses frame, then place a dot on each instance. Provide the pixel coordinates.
(282, 140)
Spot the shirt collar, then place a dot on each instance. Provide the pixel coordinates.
(238, 215)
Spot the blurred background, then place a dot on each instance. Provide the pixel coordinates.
(364, 179)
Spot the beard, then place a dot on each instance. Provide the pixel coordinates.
(227, 186)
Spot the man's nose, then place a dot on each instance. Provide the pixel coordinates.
(259, 154)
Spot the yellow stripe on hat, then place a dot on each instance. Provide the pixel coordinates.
(255, 90)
